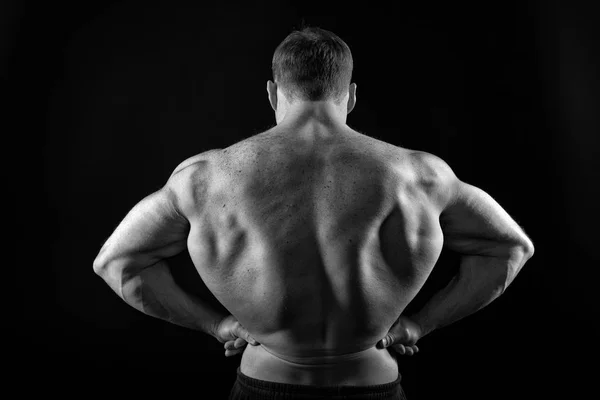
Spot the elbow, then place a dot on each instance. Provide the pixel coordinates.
(100, 266)
(527, 250)
(107, 268)
(101, 262)
(107, 263)
(519, 255)
(111, 273)
(120, 273)
(521, 251)
(531, 249)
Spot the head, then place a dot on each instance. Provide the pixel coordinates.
(312, 66)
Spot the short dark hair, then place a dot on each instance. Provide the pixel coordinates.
(313, 64)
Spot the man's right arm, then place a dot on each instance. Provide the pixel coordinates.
(492, 246)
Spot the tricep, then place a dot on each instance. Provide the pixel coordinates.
(474, 223)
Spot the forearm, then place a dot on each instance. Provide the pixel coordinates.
(480, 280)
(154, 292)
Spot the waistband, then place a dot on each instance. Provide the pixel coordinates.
(258, 386)
(321, 360)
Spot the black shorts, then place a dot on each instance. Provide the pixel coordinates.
(246, 388)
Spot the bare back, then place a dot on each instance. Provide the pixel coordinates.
(315, 244)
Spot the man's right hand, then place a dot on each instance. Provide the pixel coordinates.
(234, 335)
(402, 337)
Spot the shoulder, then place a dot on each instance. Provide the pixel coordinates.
(194, 163)
(435, 176)
(189, 181)
(429, 166)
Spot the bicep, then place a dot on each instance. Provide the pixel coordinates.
(151, 231)
(474, 223)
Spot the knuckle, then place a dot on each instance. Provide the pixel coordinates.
(390, 338)
(406, 332)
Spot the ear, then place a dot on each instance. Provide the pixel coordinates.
(351, 97)
(272, 93)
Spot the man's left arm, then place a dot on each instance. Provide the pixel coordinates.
(133, 259)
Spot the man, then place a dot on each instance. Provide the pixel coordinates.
(315, 238)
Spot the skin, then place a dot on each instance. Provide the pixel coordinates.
(315, 238)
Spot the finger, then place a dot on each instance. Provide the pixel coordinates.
(400, 348)
(415, 348)
(239, 342)
(387, 341)
(409, 350)
(230, 353)
(241, 332)
(229, 345)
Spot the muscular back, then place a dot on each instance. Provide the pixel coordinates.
(317, 243)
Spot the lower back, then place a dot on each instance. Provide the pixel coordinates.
(370, 366)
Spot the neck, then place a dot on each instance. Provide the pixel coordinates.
(326, 113)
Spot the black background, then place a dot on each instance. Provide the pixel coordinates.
(104, 99)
